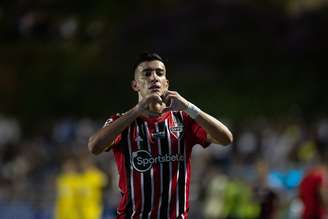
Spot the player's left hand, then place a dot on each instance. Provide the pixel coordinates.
(174, 102)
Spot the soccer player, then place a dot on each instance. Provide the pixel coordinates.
(152, 144)
(314, 186)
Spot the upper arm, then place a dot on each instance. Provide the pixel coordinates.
(211, 140)
(101, 141)
(323, 191)
(117, 138)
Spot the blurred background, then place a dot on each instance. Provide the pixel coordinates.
(66, 66)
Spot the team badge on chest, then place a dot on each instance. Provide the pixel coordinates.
(177, 131)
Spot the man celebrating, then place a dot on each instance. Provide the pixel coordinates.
(152, 144)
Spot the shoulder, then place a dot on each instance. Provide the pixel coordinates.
(112, 118)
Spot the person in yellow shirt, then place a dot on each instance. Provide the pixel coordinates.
(67, 188)
(92, 183)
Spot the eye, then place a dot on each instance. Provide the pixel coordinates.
(159, 72)
(147, 73)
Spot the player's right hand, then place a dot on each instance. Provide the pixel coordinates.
(143, 105)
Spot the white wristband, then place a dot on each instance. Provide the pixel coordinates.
(192, 110)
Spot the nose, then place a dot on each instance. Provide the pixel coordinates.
(153, 76)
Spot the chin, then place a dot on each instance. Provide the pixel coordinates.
(156, 92)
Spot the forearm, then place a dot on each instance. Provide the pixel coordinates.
(217, 132)
(105, 136)
(324, 196)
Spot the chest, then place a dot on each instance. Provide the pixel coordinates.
(147, 134)
(151, 144)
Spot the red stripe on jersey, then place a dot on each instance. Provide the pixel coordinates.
(120, 158)
(187, 178)
(174, 175)
(136, 184)
(156, 174)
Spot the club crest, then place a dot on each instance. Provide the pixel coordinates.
(176, 131)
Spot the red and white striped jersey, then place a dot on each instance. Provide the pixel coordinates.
(153, 160)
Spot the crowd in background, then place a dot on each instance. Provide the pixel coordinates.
(262, 169)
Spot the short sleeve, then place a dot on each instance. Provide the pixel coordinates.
(118, 137)
(198, 135)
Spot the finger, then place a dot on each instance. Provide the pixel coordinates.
(155, 98)
(167, 109)
(169, 99)
(168, 92)
(165, 94)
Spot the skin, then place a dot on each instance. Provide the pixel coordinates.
(323, 190)
(154, 98)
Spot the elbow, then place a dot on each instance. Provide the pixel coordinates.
(93, 147)
(228, 139)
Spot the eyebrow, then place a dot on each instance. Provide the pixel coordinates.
(151, 69)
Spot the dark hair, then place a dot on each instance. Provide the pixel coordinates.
(146, 57)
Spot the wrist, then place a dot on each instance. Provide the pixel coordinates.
(192, 110)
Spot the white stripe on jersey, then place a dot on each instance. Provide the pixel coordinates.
(151, 173)
(177, 184)
(141, 176)
(186, 175)
(170, 167)
(185, 184)
(131, 173)
(178, 168)
(161, 177)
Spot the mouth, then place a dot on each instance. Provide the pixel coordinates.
(155, 87)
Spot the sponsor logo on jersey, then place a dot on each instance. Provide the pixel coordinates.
(158, 135)
(142, 160)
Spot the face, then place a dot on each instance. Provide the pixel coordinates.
(150, 77)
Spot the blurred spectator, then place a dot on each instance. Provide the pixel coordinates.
(92, 184)
(314, 186)
(80, 186)
(239, 200)
(69, 28)
(214, 200)
(9, 130)
(36, 24)
(68, 199)
(64, 130)
(266, 196)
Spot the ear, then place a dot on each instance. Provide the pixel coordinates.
(167, 84)
(134, 86)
